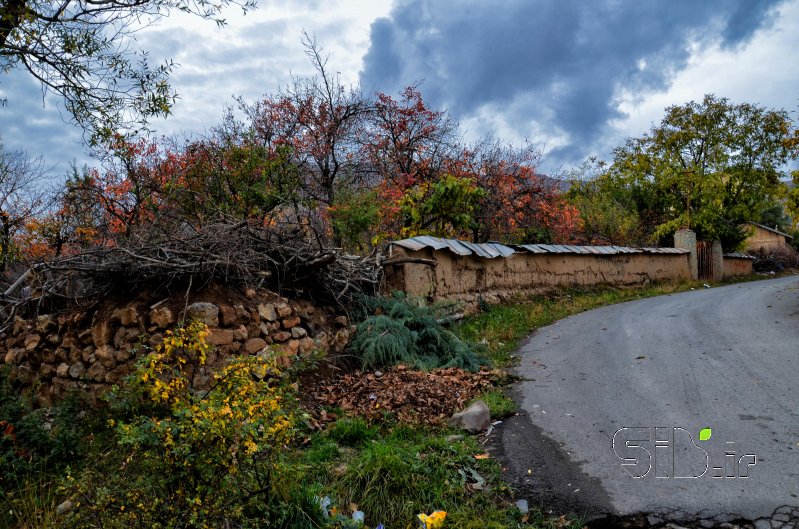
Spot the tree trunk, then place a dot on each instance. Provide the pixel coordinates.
(5, 243)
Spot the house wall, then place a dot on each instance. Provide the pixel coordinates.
(464, 278)
(764, 239)
(737, 267)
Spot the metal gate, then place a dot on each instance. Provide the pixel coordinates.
(704, 259)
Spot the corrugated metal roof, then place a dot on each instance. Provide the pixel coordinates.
(738, 255)
(665, 250)
(491, 250)
(488, 250)
(596, 250)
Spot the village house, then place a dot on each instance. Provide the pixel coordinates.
(765, 238)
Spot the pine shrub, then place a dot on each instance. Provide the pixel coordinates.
(395, 331)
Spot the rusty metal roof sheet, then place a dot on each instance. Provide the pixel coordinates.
(490, 250)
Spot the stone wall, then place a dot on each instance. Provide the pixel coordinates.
(91, 350)
(465, 278)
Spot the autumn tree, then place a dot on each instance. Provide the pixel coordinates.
(318, 119)
(407, 142)
(80, 50)
(517, 204)
(22, 198)
(708, 166)
(410, 148)
(74, 222)
(608, 218)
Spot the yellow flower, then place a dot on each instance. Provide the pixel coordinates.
(250, 446)
(433, 521)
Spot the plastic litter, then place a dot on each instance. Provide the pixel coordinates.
(324, 504)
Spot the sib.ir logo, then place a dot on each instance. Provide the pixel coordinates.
(671, 452)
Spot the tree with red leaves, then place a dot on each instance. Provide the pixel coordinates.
(408, 143)
(319, 121)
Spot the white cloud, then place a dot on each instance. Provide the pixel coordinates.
(251, 56)
(756, 72)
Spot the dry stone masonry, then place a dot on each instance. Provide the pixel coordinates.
(92, 350)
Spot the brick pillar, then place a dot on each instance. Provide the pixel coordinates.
(686, 239)
(718, 261)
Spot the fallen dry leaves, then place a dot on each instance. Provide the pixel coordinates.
(410, 396)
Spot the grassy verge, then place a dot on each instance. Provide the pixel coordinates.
(393, 472)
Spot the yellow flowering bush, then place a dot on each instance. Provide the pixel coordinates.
(195, 456)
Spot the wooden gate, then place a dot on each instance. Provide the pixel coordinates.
(704, 259)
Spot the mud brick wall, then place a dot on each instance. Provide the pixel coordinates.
(469, 278)
(737, 267)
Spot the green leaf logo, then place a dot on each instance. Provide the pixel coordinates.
(704, 434)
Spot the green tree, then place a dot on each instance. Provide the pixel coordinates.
(792, 201)
(354, 217)
(707, 166)
(773, 215)
(79, 49)
(444, 208)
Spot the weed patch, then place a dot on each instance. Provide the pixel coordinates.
(500, 404)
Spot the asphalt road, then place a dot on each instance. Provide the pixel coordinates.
(652, 374)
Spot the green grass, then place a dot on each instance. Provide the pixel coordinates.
(395, 472)
(502, 327)
(29, 502)
(352, 432)
(500, 404)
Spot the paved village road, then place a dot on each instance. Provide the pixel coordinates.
(654, 373)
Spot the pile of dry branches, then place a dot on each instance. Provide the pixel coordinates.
(235, 253)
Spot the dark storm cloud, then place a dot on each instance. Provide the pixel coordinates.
(558, 64)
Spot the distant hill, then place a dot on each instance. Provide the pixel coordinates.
(559, 184)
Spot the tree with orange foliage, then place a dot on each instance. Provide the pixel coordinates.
(519, 204)
(318, 121)
(22, 198)
(407, 145)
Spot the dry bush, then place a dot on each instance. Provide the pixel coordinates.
(776, 259)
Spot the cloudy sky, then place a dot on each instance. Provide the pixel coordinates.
(574, 77)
